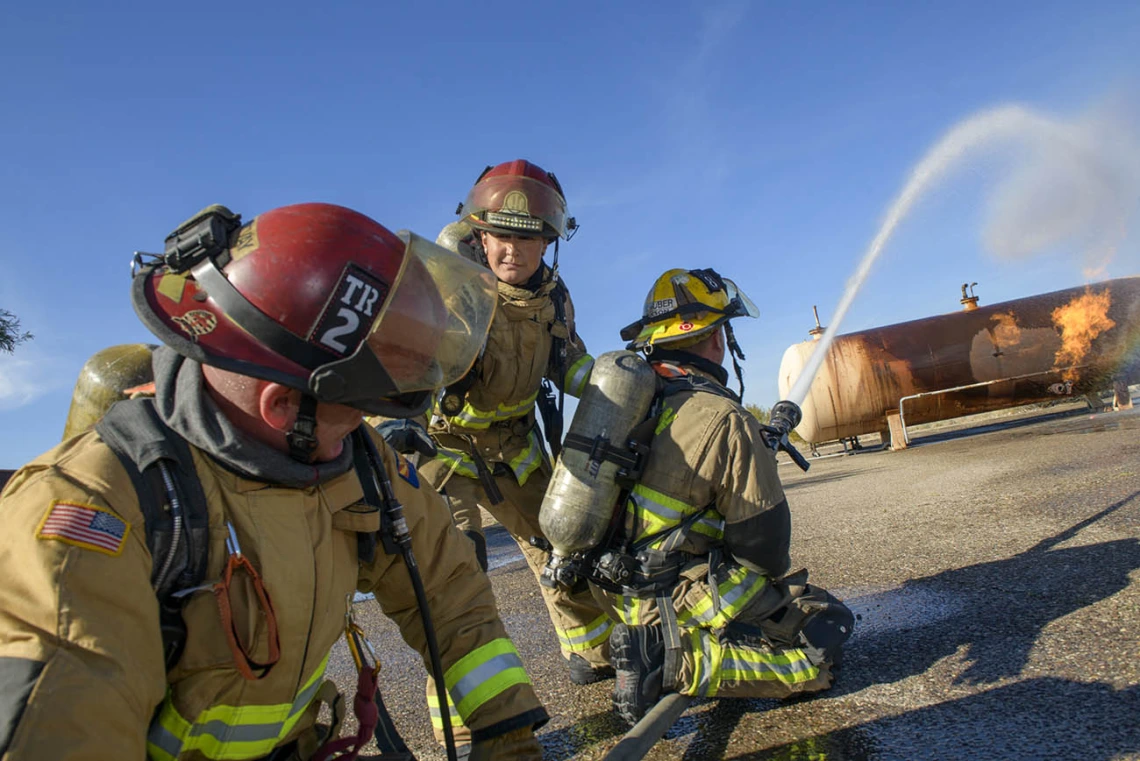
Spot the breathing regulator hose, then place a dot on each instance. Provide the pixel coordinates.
(398, 530)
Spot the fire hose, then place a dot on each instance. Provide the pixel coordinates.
(652, 727)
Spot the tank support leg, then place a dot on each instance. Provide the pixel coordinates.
(1121, 396)
(895, 426)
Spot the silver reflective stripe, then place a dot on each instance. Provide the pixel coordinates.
(717, 525)
(160, 736)
(729, 599)
(461, 463)
(590, 634)
(759, 669)
(703, 677)
(227, 733)
(576, 378)
(481, 674)
(658, 509)
(532, 455)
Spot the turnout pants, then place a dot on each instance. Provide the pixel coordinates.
(581, 626)
(728, 645)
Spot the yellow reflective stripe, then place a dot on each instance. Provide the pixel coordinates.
(711, 524)
(632, 610)
(473, 417)
(576, 377)
(458, 461)
(735, 592)
(229, 732)
(746, 664)
(436, 716)
(583, 638)
(657, 512)
(484, 673)
(528, 460)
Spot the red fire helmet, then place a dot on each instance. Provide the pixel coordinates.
(320, 298)
(518, 198)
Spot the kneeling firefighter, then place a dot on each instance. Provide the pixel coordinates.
(667, 498)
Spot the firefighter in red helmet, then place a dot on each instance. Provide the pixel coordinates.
(489, 451)
(248, 499)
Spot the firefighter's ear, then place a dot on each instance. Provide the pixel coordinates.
(278, 406)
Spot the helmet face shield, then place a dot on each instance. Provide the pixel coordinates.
(517, 204)
(322, 299)
(739, 305)
(427, 334)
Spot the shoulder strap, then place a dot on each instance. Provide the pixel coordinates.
(173, 505)
(694, 383)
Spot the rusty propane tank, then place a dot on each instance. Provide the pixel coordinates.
(1068, 342)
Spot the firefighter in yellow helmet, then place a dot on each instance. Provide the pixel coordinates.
(709, 524)
(175, 579)
(490, 452)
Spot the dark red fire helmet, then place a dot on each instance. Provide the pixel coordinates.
(518, 198)
(322, 299)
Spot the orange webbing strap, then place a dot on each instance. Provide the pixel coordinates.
(238, 562)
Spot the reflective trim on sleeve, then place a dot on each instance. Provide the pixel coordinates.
(578, 375)
(473, 417)
(229, 732)
(711, 524)
(457, 461)
(528, 460)
(657, 512)
(583, 638)
(484, 673)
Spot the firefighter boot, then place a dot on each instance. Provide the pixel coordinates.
(638, 655)
(581, 672)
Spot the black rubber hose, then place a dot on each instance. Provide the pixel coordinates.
(404, 540)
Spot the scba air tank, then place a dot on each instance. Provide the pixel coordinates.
(104, 380)
(583, 493)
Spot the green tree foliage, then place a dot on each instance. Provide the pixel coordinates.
(10, 335)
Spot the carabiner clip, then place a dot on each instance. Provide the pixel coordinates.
(359, 646)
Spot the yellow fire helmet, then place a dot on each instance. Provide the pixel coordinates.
(686, 304)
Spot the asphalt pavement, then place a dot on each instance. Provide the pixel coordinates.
(995, 571)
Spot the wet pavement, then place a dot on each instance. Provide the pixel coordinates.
(995, 571)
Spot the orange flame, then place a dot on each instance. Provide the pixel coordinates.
(1005, 333)
(1080, 321)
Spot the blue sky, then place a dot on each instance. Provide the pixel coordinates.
(763, 139)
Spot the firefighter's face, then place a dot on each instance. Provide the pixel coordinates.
(279, 408)
(334, 423)
(513, 258)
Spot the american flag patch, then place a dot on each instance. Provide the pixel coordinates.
(87, 526)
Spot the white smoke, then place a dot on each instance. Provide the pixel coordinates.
(1073, 182)
(1072, 189)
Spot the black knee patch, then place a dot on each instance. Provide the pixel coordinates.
(480, 547)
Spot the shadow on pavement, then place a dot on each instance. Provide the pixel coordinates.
(996, 610)
(1028, 728)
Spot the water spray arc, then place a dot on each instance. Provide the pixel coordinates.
(981, 130)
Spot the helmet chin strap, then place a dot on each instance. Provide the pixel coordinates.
(303, 438)
(736, 352)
